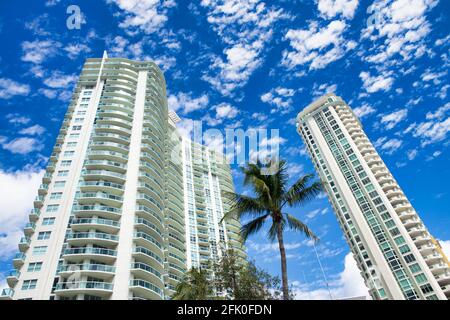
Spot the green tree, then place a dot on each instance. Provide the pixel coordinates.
(195, 285)
(272, 198)
(243, 280)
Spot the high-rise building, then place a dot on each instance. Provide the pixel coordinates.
(123, 210)
(397, 256)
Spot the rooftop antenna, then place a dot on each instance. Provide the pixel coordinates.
(323, 272)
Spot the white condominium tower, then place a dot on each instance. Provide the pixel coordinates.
(123, 210)
(396, 254)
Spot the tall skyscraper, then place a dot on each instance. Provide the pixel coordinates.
(123, 210)
(396, 254)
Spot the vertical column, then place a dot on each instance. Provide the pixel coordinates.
(125, 247)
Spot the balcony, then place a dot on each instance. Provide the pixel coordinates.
(105, 164)
(147, 241)
(99, 238)
(439, 267)
(7, 294)
(13, 277)
(145, 271)
(24, 244)
(39, 201)
(19, 260)
(419, 240)
(34, 215)
(100, 271)
(47, 178)
(146, 289)
(109, 155)
(43, 189)
(407, 214)
(149, 227)
(103, 225)
(149, 257)
(83, 253)
(67, 289)
(443, 278)
(104, 174)
(98, 210)
(103, 197)
(433, 258)
(115, 188)
(29, 229)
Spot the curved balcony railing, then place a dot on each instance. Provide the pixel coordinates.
(147, 289)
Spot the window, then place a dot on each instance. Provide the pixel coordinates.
(63, 173)
(420, 278)
(55, 195)
(81, 113)
(410, 258)
(69, 153)
(48, 221)
(76, 128)
(71, 144)
(52, 208)
(44, 235)
(78, 120)
(66, 163)
(40, 250)
(415, 268)
(60, 184)
(29, 284)
(74, 135)
(426, 289)
(34, 267)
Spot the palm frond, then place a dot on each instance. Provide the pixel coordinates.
(252, 227)
(302, 191)
(297, 225)
(242, 205)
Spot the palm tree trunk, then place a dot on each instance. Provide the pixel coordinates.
(284, 277)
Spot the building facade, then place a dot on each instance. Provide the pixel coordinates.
(397, 256)
(109, 221)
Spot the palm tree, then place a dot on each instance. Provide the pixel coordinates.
(194, 286)
(272, 197)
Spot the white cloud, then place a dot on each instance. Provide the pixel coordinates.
(60, 80)
(18, 190)
(373, 84)
(280, 98)
(74, 50)
(322, 89)
(33, 130)
(22, 145)
(144, 15)
(349, 283)
(16, 119)
(389, 146)
(445, 244)
(363, 111)
(316, 46)
(244, 27)
(400, 29)
(223, 112)
(439, 113)
(412, 154)
(392, 119)
(39, 50)
(294, 170)
(332, 8)
(10, 88)
(185, 103)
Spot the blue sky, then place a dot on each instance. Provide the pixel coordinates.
(244, 64)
